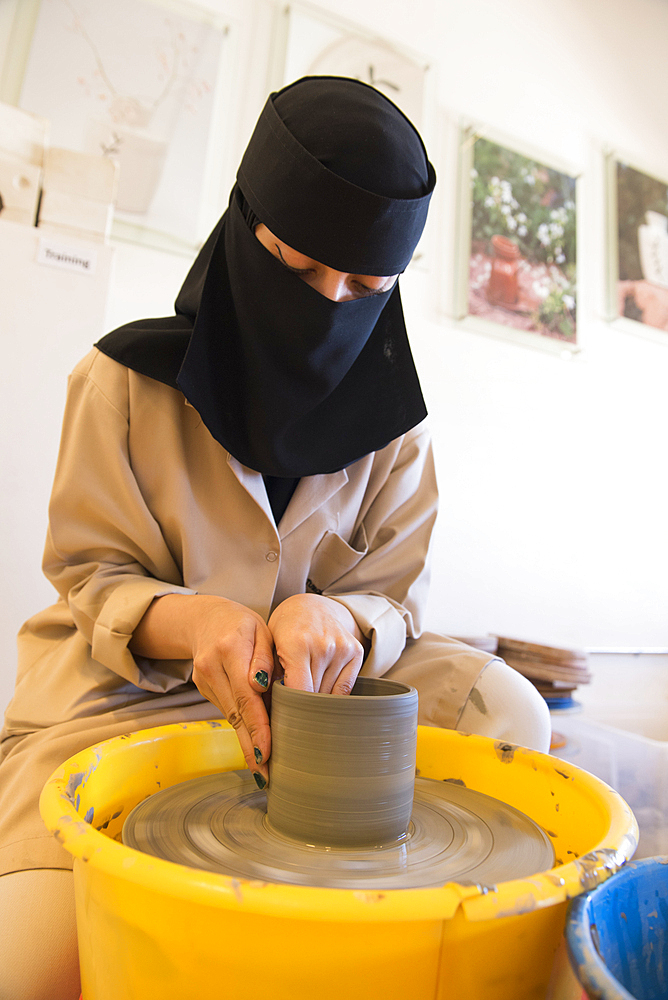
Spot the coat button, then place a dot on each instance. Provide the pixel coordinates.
(271, 556)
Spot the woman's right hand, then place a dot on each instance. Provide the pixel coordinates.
(233, 661)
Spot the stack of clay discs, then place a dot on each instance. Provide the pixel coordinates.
(555, 671)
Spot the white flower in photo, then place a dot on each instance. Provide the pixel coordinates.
(559, 278)
(569, 301)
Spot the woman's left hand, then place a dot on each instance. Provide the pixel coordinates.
(318, 644)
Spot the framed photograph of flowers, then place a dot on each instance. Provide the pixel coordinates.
(517, 257)
(638, 249)
(148, 83)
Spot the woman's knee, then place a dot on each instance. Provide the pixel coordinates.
(38, 943)
(506, 706)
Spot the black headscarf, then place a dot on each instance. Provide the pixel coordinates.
(289, 382)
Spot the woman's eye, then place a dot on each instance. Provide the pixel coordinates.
(301, 271)
(365, 291)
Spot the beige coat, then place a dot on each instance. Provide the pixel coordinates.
(145, 502)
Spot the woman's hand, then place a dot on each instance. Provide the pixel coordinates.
(316, 640)
(232, 653)
(317, 643)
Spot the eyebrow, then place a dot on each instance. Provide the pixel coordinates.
(295, 270)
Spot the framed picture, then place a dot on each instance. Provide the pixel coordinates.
(147, 83)
(314, 42)
(638, 249)
(517, 239)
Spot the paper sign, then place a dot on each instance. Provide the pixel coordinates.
(68, 257)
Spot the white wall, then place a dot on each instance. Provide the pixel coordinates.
(552, 475)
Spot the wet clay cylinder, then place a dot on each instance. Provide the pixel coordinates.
(342, 768)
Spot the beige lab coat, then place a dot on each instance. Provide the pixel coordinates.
(145, 502)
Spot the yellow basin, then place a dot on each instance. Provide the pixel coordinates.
(149, 928)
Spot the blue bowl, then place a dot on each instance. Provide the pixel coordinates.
(617, 935)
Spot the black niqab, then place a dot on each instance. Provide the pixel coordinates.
(289, 382)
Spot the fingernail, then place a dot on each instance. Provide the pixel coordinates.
(262, 678)
(258, 755)
(259, 780)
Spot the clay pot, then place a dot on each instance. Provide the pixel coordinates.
(342, 769)
(502, 288)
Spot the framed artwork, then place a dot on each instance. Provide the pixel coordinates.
(147, 83)
(517, 244)
(638, 249)
(314, 42)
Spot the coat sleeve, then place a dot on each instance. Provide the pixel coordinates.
(105, 553)
(386, 590)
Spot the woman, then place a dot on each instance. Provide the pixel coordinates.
(243, 489)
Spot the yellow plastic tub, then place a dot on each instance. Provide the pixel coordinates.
(149, 928)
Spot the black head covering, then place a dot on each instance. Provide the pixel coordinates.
(289, 382)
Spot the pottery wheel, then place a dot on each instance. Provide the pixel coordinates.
(218, 823)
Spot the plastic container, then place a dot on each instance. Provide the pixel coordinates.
(635, 766)
(148, 927)
(617, 935)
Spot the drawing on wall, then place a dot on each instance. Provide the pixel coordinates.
(642, 247)
(518, 253)
(135, 81)
(319, 44)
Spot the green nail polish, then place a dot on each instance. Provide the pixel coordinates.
(262, 678)
(259, 780)
(258, 755)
